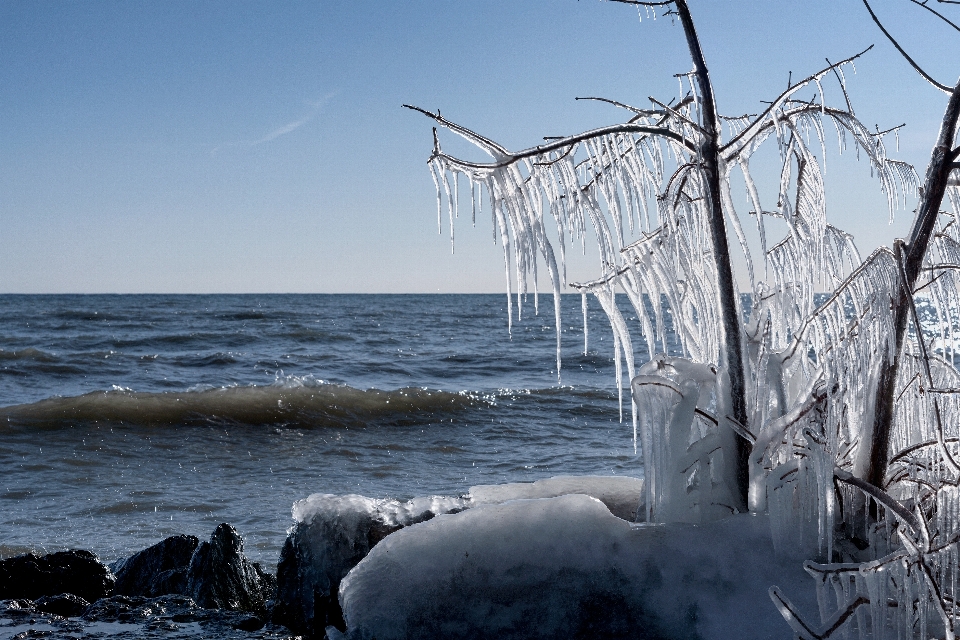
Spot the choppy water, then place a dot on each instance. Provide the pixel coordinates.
(126, 419)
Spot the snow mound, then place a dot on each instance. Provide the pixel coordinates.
(623, 496)
(565, 567)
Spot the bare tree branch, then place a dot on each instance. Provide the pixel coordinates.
(644, 4)
(926, 76)
(639, 112)
(936, 13)
(843, 86)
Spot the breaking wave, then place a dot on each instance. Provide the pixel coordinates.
(299, 402)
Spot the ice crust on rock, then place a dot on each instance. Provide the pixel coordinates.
(332, 534)
(566, 567)
(622, 495)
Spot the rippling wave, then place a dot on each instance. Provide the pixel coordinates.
(291, 403)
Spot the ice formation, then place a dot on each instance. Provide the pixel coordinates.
(332, 533)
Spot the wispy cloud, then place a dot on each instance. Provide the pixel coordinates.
(315, 107)
(285, 129)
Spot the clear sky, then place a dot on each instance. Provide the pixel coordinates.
(184, 146)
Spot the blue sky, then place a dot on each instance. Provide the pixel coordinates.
(261, 147)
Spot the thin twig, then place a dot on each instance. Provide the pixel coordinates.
(674, 113)
(644, 4)
(936, 13)
(636, 110)
(843, 87)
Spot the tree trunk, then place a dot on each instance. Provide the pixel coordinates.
(934, 188)
(731, 336)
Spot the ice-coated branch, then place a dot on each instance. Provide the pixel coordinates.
(751, 131)
(505, 158)
(926, 76)
(802, 628)
(925, 358)
(486, 144)
(932, 583)
(881, 496)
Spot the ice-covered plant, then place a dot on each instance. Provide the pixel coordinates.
(836, 415)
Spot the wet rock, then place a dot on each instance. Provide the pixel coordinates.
(139, 609)
(248, 623)
(78, 572)
(221, 577)
(64, 604)
(157, 570)
(268, 582)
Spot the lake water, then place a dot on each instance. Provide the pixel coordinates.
(130, 418)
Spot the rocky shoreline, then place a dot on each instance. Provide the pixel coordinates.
(184, 588)
(179, 587)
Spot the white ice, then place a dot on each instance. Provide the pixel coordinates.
(566, 567)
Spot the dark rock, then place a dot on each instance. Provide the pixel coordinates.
(64, 604)
(157, 570)
(173, 581)
(268, 581)
(221, 577)
(250, 623)
(78, 572)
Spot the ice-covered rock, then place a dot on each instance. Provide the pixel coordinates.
(157, 570)
(76, 571)
(221, 577)
(622, 495)
(332, 534)
(566, 567)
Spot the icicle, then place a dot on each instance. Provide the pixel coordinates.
(436, 183)
(456, 194)
(583, 306)
(473, 202)
(616, 361)
(450, 206)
